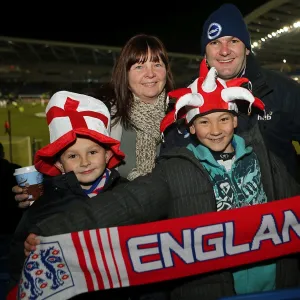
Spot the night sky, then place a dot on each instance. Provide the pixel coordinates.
(179, 27)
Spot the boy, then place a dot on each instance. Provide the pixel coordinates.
(223, 171)
(80, 142)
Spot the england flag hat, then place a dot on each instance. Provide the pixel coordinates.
(70, 115)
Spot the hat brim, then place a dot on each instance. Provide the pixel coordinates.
(44, 158)
(233, 112)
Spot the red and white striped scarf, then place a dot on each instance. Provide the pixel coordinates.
(98, 185)
(79, 262)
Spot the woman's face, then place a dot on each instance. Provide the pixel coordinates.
(147, 80)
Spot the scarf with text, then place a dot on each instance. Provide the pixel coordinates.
(79, 262)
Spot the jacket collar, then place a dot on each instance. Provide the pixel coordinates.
(69, 181)
(204, 154)
(255, 74)
(251, 136)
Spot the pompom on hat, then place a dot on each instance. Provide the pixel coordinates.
(70, 115)
(208, 94)
(225, 21)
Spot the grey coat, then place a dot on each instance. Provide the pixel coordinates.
(128, 146)
(179, 186)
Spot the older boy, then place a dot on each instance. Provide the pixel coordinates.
(224, 171)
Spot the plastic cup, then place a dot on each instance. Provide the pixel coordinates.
(31, 181)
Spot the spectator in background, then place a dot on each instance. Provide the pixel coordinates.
(6, 127)
(226, 45)
(10, 213)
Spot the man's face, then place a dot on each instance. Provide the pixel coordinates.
(215, 130)
(228, 55)
(86, 159)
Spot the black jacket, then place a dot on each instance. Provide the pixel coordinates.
(173, 190)
(10, 214)
(281, 125)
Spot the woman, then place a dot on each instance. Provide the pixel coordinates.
(136, 94)
(140, 81)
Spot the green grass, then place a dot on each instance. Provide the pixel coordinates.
(25, 124)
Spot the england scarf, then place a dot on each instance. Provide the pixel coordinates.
(79, 262)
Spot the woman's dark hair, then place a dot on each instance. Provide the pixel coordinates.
(135, 51)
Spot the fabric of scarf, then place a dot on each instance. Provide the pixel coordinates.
(145, 119)
(98, 185)
(65, 265)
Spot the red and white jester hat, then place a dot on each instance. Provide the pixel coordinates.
(70, 115)
(208, 94)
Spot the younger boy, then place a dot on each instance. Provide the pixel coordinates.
(223, 171)
(80, 143)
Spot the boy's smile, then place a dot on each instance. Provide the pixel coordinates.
(215, 130)
(87, 172)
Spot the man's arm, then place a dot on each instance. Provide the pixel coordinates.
(294, 109)
(142, 200)
(287, 91)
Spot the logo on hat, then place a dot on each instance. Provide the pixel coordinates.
(214, 30)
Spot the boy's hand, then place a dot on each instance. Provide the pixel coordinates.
(30, 243)
(21, 196)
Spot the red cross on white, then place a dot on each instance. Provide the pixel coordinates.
(76, 117)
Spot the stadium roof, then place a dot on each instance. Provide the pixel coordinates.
(40, 60)
(274, 33)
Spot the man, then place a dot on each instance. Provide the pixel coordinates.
(226, 45)
(6, 127)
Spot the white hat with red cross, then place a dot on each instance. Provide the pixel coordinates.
(70, 115)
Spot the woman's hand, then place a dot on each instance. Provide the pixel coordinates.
(30, 243)
(21, 196)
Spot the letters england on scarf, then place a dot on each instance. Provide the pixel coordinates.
(70, 264)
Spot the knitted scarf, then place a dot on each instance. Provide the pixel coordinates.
(145, 119)
(65, 265)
